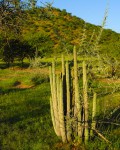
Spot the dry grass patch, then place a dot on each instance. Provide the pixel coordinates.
(23, 86)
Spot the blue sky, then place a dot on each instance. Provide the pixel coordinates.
(92, 11)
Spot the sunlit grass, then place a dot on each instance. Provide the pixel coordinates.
(67, 58)
(25, 121)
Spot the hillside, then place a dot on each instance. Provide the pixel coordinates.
(52, 31)
(62, 31)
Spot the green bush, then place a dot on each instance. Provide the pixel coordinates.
(39, 79)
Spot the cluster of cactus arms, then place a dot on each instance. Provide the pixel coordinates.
(69, 111)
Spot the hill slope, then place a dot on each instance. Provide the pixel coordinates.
(52, 31)
(62, 31)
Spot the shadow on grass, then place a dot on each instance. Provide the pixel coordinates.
(16, 64)
(33, 103)
(11, 90)
(110, 122)
(35, 109)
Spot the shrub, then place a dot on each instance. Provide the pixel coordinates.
(39, 79)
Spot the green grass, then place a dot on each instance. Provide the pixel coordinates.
(25, 121)
(67, 58)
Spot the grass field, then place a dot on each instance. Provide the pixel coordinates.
(25, 121)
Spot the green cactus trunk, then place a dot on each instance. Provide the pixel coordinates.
(77, 97)
(69, 113)
(68, 122)
(61, 114)
(63, 65)
(93, 113)
(85, 98)
(64, 85)
(55, 102)
(51, 99)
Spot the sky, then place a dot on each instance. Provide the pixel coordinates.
(92, 11)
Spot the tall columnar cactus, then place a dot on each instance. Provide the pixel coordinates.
(67, 110)
(61, 114)
(77, 96)
(51, 99)
(55, 101)
(68, 122)
(63, 65)
(85, 99)
(93, 113)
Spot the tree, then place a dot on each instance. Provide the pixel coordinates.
(41, 42)
(16, 49)
(12, 19)
(9, 12)
(32, 3)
